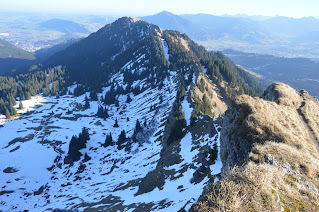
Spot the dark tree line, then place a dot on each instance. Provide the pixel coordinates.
(102, 112)
(179, 123)
(76, 144)
(122, 139)
(23, 86)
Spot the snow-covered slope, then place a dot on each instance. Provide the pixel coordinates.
(28, 105)
(32, 150)
(150, 78)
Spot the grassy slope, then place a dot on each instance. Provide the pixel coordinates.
(270, 157)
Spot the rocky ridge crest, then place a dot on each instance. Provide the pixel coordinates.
(270, 155)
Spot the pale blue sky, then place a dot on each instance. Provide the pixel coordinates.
(290, 8)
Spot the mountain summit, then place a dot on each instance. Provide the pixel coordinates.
(89, 53)
(130, 120)
(170, 21)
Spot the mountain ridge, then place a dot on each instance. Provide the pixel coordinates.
(64, 26)
(8, 50)
(12, 56)
(147, 83)
(102, 39)
(269, 146)
(155, 104)
(245, 33)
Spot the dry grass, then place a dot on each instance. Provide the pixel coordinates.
(299, 158)
(243, 189)
(132, 19)
(257, 187)
(218, 107)
(270, 121)
(180, 40)
(311, 112)
(283, 94)
(281, 172)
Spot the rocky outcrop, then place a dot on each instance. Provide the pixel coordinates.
(270, 154)
(274, 117)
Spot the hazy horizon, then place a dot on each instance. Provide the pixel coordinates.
(62, 14)
(270, 8)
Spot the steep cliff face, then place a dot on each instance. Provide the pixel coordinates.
(270, 154)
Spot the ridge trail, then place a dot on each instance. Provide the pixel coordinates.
(309, 130)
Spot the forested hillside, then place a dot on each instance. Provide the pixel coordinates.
(115, 49)
(49, 82)
(7, 50)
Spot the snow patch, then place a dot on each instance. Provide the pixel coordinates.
(28, 105)
(186, 149)
(47, 132)
(187, 109)
(205, 69)
(217, 167)
(165, 48)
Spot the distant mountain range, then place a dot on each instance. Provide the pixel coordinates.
(45, 53)
(65, 26)
(290, 26)
(238, 27)
(167, 20)
(246, 33)
(262, 35)
(15, 59)
(203, 27)
(217, 27)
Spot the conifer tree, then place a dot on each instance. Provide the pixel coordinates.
(21, 105)
(7, 113)
(138, 127)
(86, 158)
(99, 112)
(75, 145)
(87, 103)
(177, 130)
(121, 140)
(117, 103)
(79, 90)
(28, 96)
(13, 111)
(110, 96)
(93, 96)
(84, 136)
(108, 140)
(105, 114)
(129, 99)
(206, 105)
(116, 123)
(134, 137)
